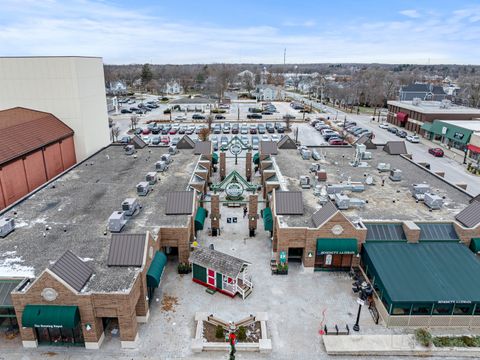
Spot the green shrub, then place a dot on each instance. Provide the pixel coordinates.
(242, 333)
(219, 332)
(218, 111)
(469, 341)
(423, 337)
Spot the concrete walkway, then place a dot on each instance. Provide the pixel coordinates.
(389, 345)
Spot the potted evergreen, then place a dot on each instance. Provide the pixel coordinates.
(184, 268)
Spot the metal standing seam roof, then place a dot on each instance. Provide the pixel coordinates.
(395, 147)
(186, 143)
(286, 142)
(385, 232)
(126, 250)
(268, 148)
(179, 203)
(6, 287)
(288, 203)
(138, 142)
(24, 130)
(324, 213)
(71, 269)
(470, 216)
(426, 272)
(218, 261)
(203, 148)
(437, 231)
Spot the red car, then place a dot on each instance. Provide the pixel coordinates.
(437, 152)
(165, 140)
(172, 131)
(146, 131)
(337, 142)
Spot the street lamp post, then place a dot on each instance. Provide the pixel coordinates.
(356, 327)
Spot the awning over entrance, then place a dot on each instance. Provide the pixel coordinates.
(473, 148)
(267, 219)
(335, 246)
(402, 117)
(214, 158)
(200, 218)
(155, 270)
(55, 316)
(256, 158)
(475, 245)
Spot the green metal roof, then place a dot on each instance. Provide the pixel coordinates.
(437, 232)
(57, 316)
(385, 232)
(200, 218)
(336, 246)
(475, 245)
(267, 219)
(427, 127)
(425, 272)
(453, 132)
(155, 270)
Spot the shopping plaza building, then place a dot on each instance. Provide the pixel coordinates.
(89, 248)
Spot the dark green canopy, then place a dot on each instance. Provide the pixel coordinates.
(267, 219)
(56, 316)
(214, 158)
(155, 270)
(200, 218)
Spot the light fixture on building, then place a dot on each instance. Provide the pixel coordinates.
(88, 327)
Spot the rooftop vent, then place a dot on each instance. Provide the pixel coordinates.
(161, 166)
(305, 182)
(383, 167)
(395, 175)
(129, 149)
(7, 225)
(419, 190)
(445, 104)
(151, 177)
(143, 188)
(433, 201)
(167, 158)
(117, 221)
(130, 205)
(416, 101)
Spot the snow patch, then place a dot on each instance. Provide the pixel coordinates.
(11, 267)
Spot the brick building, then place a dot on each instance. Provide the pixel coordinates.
(411, 115)
(36, 147)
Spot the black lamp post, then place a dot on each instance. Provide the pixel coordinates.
(465, 156)
(361, 301)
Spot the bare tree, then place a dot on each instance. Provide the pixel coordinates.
(115, 133)
(134, 121)
(209, 122)
(203, 134)
(470, 90)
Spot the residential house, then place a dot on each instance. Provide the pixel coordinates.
(422, 91)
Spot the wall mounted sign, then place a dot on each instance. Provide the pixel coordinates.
(235, 148)
(229, 220)
(234, 220)
(234, 190)
(337, 230)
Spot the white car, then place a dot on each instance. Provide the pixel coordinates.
(413, 139)
(180, 118)
(146, 139)
(384, 126)
(275, 138)
(265, 138)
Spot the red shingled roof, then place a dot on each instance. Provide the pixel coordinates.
(25, 130)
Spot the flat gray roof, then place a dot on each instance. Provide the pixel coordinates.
(433, 107)
(380, 204)
(76, 208)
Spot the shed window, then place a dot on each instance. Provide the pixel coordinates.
(463, 309)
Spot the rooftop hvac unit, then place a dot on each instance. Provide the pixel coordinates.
(306, 154)
(302, 148)
(419, 190)
(395, 175)
(129, 206)
(305, 182)
(383, 167)
(143, 188)
(167, 158)
(315, 155)
(366, 155)
(433, 201)
(342, 201)
(172, 150)
(357, 203)
(161, 166)
(416, 101)
(151, 178)
(361, 148)
(322, 175)
(445, 104)
(129, 149)
(314, 167)
(117, 221)
(7, 225)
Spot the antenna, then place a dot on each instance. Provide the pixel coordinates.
(284, 56)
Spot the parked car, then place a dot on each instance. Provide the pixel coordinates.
(255, 142)
(337, 141)
(437, 152)
(172, 131)
(235, 129)
(175, 140)
(384, 126)
(166, 129)
(146, 139)
(360, 132)
(126, 111)
(275, 138)
(219, 117)
(180, 118)
(270, 128)
(266, 112)
(146, 131)
(281, 129)
(402, 134)
(156, 130)
(254, 116)
(244, 130)
(165, 140)
(265, 138)
(224, 141)
(215, 145)
(393, 130)
(331, 135)
(253, 129)
(413, 138)
(138, 131)
(198, 117)
(190, 130)
(226, 128)
(217, 129)
(245, 140)
(155, 140)
(124, 139)
(182, 130)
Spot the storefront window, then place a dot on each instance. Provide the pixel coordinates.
(60, 336)
(442, 309)
(401, 310)
(477, 309)
(463, 309)
(421, 309)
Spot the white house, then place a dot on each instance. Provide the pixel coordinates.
(173, 88)
(117, 87)
(268, 93)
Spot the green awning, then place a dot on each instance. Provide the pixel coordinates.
(336, 246)
(475, 245)
(256, 158)
(155, 270)
(427, 127)
(267, 219)
(55, 316)
(200, 218)
(214, 158)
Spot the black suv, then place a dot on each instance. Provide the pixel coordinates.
(254, 116)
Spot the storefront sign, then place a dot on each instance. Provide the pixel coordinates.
(337, 230)
(360, 301)
(234, 190)
(235, 148)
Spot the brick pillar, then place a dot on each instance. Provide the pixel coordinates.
(215, 212)
(412, 231)
(248, 166)
(223, 165)
(252, 211)
(128, 326)
(141, 308)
